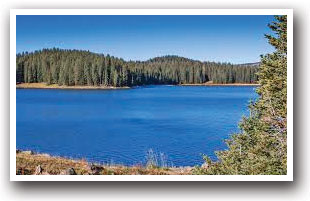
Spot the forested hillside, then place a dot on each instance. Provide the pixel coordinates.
(75, 67)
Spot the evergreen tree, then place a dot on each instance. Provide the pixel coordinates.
(261, 147)
(73, 67)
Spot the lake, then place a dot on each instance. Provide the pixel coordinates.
(121, 126)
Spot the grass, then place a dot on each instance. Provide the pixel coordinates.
(156, 160)
(28, 163)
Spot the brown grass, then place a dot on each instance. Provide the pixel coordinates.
(56, 86)
(26, 164)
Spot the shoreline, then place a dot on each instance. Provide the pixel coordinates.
(32, 163)
(56, 86)
(230, 84)
(80, 87)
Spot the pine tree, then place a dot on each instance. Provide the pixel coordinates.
(261, 146)
(76, 67)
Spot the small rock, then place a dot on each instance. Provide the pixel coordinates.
(19, 171)
(95, 170)
(205, 165)
(38, 170)
(28, 152)
(23, 171)
(70, 171)
(18, 151)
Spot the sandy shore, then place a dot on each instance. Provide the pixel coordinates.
(56, 86)
(232, 84)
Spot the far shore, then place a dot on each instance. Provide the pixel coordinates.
(56, 86)
(230, 84)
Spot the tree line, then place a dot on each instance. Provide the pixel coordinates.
(77, 67)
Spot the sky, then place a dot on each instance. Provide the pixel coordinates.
(219, 38)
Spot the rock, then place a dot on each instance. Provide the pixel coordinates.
(19, 171)
(18, 151)
(70, 171)
(95, 170)
(23, 171)
(28, 152)
(38, 170)
(205, 165)
(182, 170)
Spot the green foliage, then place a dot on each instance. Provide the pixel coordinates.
(261, 147)
(73, 67)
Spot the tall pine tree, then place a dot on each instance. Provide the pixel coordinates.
(261, 147)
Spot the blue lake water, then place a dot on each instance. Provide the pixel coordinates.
(120, 126)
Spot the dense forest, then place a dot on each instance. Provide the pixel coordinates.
(76, 67)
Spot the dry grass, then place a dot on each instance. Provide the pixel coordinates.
(27, 163)
(56, 86)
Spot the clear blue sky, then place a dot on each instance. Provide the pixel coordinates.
(235, 39)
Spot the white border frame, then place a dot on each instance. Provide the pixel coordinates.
(14, 12)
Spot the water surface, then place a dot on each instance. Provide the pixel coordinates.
(120, 126)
